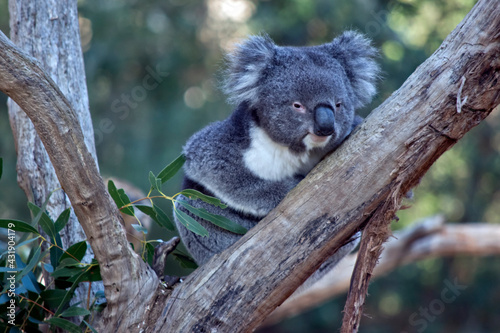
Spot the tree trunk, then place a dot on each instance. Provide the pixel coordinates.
(365, 177)
(49, 32)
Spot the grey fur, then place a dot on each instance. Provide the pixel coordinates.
(252, 159)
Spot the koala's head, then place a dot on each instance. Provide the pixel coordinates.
(303, 97)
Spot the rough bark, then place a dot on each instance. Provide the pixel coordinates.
(129, 283)
(237, 289)
(48, 31)
(426, 239)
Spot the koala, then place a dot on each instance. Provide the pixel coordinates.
(293, 105)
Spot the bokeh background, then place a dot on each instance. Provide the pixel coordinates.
(138, 129)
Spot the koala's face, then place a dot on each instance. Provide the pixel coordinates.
(304, 102)
(304, 97)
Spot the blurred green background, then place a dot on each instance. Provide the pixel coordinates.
(123, 41)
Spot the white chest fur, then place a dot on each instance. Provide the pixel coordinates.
(272, 161)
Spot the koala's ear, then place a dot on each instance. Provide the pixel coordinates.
(244, 68)
(356, 54)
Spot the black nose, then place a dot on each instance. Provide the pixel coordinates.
(324, 121)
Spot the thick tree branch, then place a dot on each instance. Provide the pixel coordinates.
(49, 32)
(424, 240)
(127, 279)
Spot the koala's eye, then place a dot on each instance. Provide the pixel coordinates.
(338, 105)
(299, 107)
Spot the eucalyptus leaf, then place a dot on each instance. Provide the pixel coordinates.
(185, 261)
(140, 228)
(193, 194)
(90, 327)
(190, 223)
(28, 280)
(53, 297)
(154, 181)
(218, 220)
(170, 170)
(150, 251)
(163, 218)
(18, 226)
(120, 198)
(56, 252)
(66, 325)
(35, 259)
(157, 215)
(75, 251)
(62, 220)
(73, 311)
(69, 293)
(40, 210)
(45, 221)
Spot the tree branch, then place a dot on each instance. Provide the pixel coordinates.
(128, 281)
(424, 240)
(49, 32)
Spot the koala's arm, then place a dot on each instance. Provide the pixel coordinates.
(217, 164)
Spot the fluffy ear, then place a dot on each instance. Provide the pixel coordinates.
(245, 66)
(356, 54)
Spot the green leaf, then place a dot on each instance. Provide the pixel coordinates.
(218, 220)
(66, 325)
(56, 252)
(41, 210)
(75, 251)
(185, 261)
(190, 223)
(170, 170)
(148, 210)
(66, 272)
(120, 198)
(62, 220)
(150, 250)
(18, 226)
(90, 327)
(67, 267)
(155, 182)
(35, 259)
(52, 297)
(140, 228)
(48, 267)
(157, 215)
(45, 221)
(163, 218)
(69, 293)
(29, 280)
(193, 194)
(73, 311)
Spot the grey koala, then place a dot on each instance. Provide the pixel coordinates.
(294, 105)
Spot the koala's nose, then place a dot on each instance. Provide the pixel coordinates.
(324, 121)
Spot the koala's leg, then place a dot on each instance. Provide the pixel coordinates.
(329, 264)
